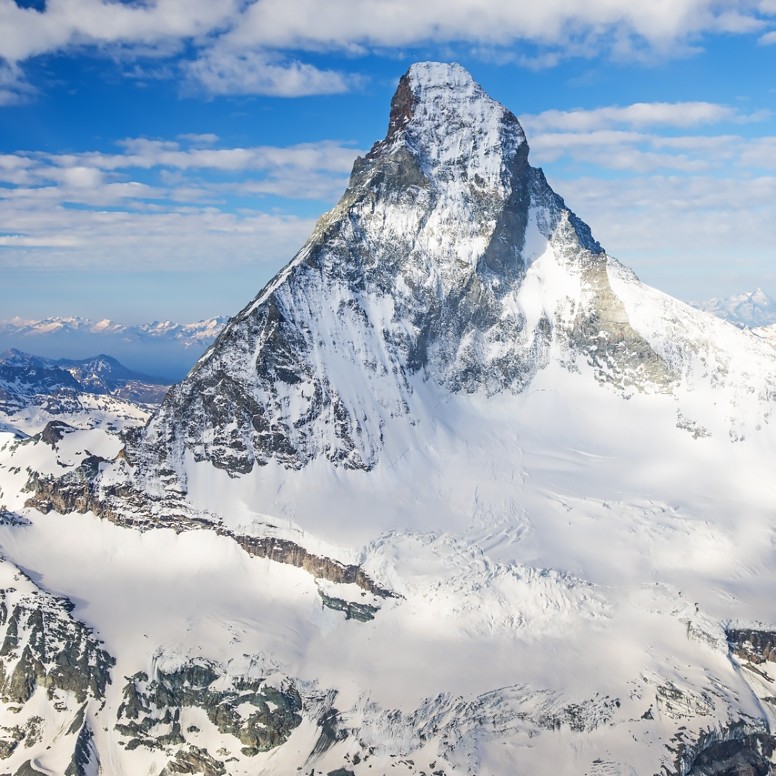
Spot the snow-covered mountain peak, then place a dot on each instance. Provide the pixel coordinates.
(751, 308)
(449, 263)
(458, 132)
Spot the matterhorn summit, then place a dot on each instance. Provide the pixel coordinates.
(448, 261)
(455, 493)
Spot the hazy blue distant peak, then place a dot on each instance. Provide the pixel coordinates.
(751, 308)
(187, 334)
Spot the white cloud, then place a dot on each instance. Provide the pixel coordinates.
(14, 87)
(177, 216)
(642, 137)
(302, 24)
(27, 32)
(640, 115)
(641, 152)
(244, 46)
(768, 39)
(175, 163)
(221, 71)
(760, 153)
(199, 139)
(184, 239)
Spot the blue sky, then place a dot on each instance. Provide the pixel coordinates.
(162, 160)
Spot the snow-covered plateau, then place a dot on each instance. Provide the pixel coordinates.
(454, 494)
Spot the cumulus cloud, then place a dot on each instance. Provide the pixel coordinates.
(162, 203)
(28, 31)
(639, 115)
(221, 71)
(345, 23)
(245, 46)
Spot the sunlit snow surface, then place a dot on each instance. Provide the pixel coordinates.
(564, 559)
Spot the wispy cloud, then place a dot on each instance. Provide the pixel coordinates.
(170, 204)
(14, 87)
(645, 137)
(638, 115)
(174, 239)
(223, 71)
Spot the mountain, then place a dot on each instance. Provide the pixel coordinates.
(158, 347)
(454, 494)
(34, 390)
(752, 308)
(190, 335)
(99, 374)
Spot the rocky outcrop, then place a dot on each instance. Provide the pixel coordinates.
(54, 675)
(757, 646)
(740, 749)
(194, 760)
(44, 647)
(53, 432)
(80, 491)
(259, 716)
(85, 760)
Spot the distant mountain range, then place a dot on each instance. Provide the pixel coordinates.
(752, 308)
(159, 347)
(24, 376)
(189, 335)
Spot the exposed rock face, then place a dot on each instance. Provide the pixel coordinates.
(758, 646)
(19, 383)
(79, 491)
(738, 750)
(50, 664)
(42, 646)
(194, 760)
(151, 711)
(23, 375)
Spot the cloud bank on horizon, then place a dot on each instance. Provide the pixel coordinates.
(150, 138)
